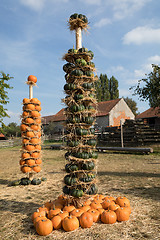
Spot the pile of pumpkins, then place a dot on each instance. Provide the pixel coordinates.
(31, 136)
(80, 118)
(54, 215)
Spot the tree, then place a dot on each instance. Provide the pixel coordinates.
(132, 105)
(12, 130)
(49, 129)
(113, 88)
(106, 89)
(151, 89)
(3, 96)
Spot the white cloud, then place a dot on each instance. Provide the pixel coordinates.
(124, 92)
(92, 2)
(103, 22)
(141, 35)
(34, 4)
(126, 8)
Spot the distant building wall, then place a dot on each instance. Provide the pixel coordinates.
(102, 121)
(120, 111)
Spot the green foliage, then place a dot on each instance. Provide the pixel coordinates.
(106, 89)
(12, 130)
(132, 105)
(4, 99)
(151, 87)
(49, 129)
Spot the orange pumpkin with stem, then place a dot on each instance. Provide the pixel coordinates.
(70, 223)
(38, 218)
(122, 214)
(95, 205)
(63, 214)
(56, 222)
(85, 208)
(95, 213)
(110, 198)
(122, 201)
(37, 214)
(44, 227)
(32, 79)
(113, 207)
(77, 212)
(109, 217)
(53, 212)
(106, 203)
(86, 220)
(69, 208)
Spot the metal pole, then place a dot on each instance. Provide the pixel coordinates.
(78, 38)
(122, 145)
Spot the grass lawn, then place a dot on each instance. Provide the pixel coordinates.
(135, 176)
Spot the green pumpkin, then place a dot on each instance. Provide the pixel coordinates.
(36, 181)
(80, 16)
(92, 131)
(70, 180)
(70, 86)
(73, 143)
(81, 132)
(74, 108)
(91, 64)
(89, 120)
(43, 179)
(15, 183)
(85, 155)
(92, 189)
(81, 62)
(91, 108)
(78, 97)
(94, 155)
(83, 50)
(66, 190)
(76, 193)
(70, 167)
(92, 142)
(67, 67)
(91, 54)
(25, 181)
(72, 50)
(87, 85)
(89, 73)
(77, 72)
(88, 165)
(80, 108)
(85, 19)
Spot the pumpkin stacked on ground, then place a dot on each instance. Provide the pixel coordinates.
(31, 136)
(56, 214)
(80, 118)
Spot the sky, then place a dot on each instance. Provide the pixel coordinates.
(34, 35)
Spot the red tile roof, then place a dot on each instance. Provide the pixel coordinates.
(103, 109)
(150, 113)
(2, 135)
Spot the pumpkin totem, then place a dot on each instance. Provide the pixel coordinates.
(31, 132)
(80, 115)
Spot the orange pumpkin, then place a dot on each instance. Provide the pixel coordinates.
(110, 198)
(26, 100)
(30, 134)
(76, 212)
(87, 202)
(30, 162)
(23, 127)
(35, 154)
(106, 203)
(86, 220)
(109, 217)
(122, 214)
(25, 141)
(38, 161)
(38, 108)
(36, 169)
(122, 201)
(113, 207)
(25, 114)
(35, 140)
(53, 212)
(22, 162)
(37, 214)
(38, 147)
(39, 134)
(26, 169)
(29, 148)
(35, 127)
(101, 210)
(56, 222)
(95, 213)
(38, 120)
(95, 205)
(63, 214)
(44, 227)
(34, 100)
(48, 204)
(39, 103)
(38, 218)
(32, 78)
(70, 223)
(25, 155)
(85, 208)
(30, 107)
(29, 120)
(69, 208)
(35, 114)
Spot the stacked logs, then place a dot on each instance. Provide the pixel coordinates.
(80, 118)
(31, 136)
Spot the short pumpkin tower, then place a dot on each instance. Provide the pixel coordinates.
(31, 136)
(80, 181)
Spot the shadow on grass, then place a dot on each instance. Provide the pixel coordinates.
(5, 182)
(129, 174)
(149, 192)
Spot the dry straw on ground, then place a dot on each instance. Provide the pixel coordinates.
(134, 176)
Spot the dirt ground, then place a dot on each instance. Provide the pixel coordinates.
(135, 176)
